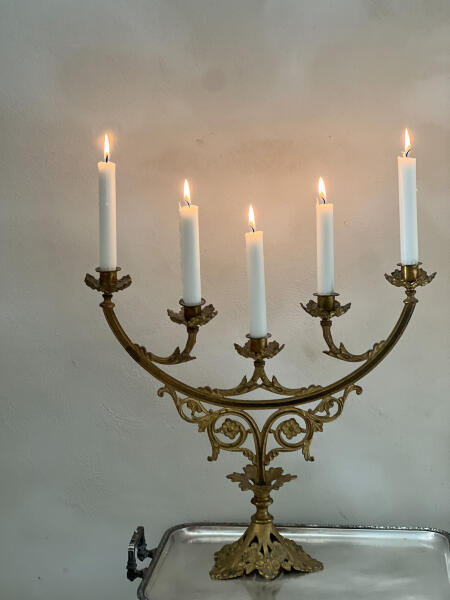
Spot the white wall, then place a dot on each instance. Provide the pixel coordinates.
(252, 100)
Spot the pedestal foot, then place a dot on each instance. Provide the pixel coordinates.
(263, 549)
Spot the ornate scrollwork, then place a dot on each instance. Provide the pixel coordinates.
(327, 410)
(312, 421)
(209, 421)
(259, 381)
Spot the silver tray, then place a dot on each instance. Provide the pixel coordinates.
(359, 563)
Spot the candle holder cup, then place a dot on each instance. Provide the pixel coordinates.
(226, 416)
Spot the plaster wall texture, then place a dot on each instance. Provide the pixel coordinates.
(253, 101)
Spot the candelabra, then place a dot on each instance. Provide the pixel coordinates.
(226, 417)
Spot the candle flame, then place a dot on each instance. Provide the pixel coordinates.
(408, 147)
(106, 148)
(187, 192)
(322, 190)
(251, 218)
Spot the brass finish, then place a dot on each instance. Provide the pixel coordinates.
(259, 348)
(226, 417)
(326, 307)
(107, 282)
(409, 272)
(193, 316)
(326, 310)
(258, 345)
(410, 277)
(261, 548)
(326, 302)
(192, 311)
(341, 352)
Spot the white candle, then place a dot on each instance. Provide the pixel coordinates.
(407, 197)
(107, 212)
(190, 250)
(255, 276)
(325, 243)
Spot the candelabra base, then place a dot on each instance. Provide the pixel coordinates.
(263, 549)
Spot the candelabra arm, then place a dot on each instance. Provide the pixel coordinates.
(192, 317)
(296, 396)
(178, 356)
(137, 352)
(408, 276)
(340, 352)
(299, 395)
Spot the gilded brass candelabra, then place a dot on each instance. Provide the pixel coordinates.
(226, 417)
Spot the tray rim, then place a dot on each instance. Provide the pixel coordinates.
(148, 571)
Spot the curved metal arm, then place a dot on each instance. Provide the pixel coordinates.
(341, 352)
(299, 396)
(326, 308)
(178, 356)
(190, 316)
(409, 277)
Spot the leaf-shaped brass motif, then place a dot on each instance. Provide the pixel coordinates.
(207, 314)
(270, 350)
(312, 308)
(396, 278)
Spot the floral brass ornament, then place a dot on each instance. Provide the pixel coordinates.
(269, 350)
(313, 309)
(226, 417)
(410, 277)
(206, 314)
(108, 282)
(291, 428)
(229, 428)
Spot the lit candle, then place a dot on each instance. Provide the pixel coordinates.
(325, 243)
(190, 250)
(107, 212)
(407, 196)
(255, 275)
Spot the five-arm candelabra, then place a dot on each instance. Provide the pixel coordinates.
(227, 418)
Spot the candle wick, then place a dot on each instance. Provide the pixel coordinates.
(408, 151)
(107, 158)
(252, 228)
